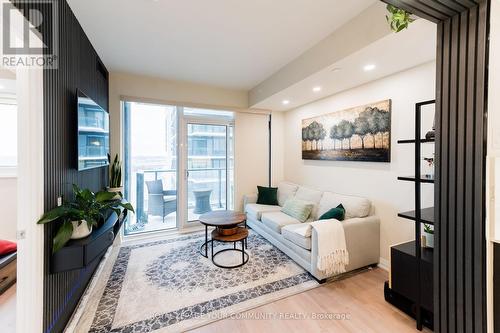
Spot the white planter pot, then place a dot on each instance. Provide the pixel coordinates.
(116, 190)
(80, 231)
(429, 240)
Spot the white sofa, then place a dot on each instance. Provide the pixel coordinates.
(361, 226)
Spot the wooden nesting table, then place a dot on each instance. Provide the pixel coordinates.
(228, 229)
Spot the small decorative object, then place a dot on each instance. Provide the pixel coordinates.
(431, 134)
(429, 236)
(430, 162)
(115, 178)
(398, 19)
(77, 218)
(361, 133)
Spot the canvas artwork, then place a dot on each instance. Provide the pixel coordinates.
(361, 133)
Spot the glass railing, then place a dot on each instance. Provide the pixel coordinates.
(209, 180)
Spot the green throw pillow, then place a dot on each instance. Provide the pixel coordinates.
(334, 213)
(267, 196)
(298, 209)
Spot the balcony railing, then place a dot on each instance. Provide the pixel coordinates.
(199, 178)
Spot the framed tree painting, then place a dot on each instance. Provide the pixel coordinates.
(361, 133)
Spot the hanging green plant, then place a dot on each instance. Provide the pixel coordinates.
(398, 19)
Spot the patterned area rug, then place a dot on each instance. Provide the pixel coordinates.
(167, 286)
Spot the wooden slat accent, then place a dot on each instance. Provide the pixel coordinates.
(460, 185)
(78, 64)
(435, 10)
(460, 259)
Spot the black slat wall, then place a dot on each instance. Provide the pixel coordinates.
(460, 269)
(461, 93)
(79, 67)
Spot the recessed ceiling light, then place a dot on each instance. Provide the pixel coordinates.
(317, 89)
(286, 102)
(1, 87)
(369, 67)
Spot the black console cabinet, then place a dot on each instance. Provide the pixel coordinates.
(403, 273)
(79, 253)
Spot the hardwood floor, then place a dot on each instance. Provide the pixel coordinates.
(359, 298)
(8, 310)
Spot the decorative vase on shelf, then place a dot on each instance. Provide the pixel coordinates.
(429, 236)
(429, 240)
(117, 190)
(81, 229)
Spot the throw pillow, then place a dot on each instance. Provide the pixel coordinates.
(298, 209)
(267, 196)
(337, 213)
(7, 247)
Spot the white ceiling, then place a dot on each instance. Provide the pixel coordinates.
(227, 43)
(391, 54)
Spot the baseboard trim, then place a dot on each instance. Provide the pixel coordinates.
(384, 264)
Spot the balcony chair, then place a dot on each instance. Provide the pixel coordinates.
(160, 202)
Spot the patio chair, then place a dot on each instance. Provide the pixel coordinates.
(160, 202)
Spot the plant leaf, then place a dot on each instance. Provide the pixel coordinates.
(58, 212)
(104, 196)
(127, 206)
(62, 236)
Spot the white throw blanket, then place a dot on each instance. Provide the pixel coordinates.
(332, 250)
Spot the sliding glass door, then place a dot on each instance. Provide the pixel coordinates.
(209, 168)
(150, 149)
(178, 164)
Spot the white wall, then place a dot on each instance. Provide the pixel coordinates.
(376, 181)
(251, 126)
(493, 155)
(172, 92)
(8, 207)
(251, 154)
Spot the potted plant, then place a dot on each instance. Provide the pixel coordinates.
(429, 236)
(77, 218)
(398, 19)
(115, 178)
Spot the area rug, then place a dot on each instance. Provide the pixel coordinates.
(167, 286)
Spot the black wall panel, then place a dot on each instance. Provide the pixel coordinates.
(79, 67)
(461, 94)
(460, 271)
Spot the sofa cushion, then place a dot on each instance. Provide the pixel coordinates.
(314, 196)
(299, 234)
(267, 195)
(354, 206)
(286, 190)
(299, 209)
(337, 213)
(255, 211)
(276, 220)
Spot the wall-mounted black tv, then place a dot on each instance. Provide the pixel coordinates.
(93, 133)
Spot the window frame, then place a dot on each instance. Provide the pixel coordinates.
(10, 171)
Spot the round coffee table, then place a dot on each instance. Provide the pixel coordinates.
(241, 235)
(226, 223)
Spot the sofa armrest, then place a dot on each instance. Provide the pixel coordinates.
(249, 198)
(362, 236)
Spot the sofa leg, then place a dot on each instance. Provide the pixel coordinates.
(319, 281)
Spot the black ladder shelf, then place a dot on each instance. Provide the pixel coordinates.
(411, 265)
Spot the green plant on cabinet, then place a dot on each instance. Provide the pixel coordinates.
(87, 207)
